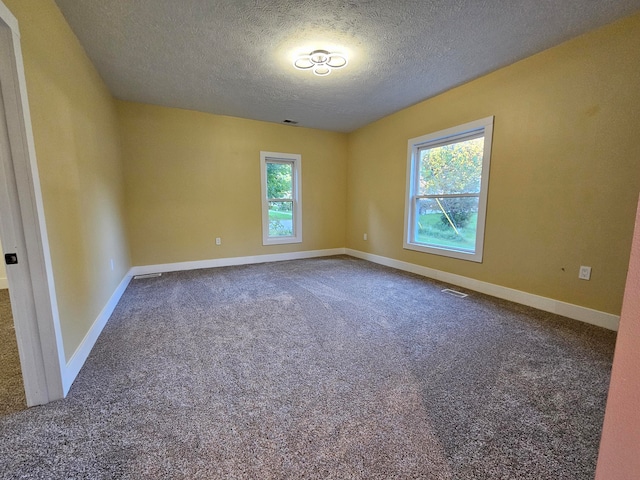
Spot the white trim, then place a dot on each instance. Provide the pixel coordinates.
(74, 365)
(8, 18)
(4, 284)
(575, 312)
(482, 127)
(32, 288)
(231, 261)
(81, 354)
(296, 166)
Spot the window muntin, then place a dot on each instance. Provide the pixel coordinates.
(281, 198)
(447, 180)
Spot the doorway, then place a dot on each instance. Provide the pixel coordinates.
(12, 397)
(22, 227)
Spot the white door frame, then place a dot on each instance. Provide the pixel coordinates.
(22, 224)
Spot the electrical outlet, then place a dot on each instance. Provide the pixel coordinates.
(365, 236)
(218, 241)
(585, 273)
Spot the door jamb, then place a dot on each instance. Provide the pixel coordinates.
(31, 286)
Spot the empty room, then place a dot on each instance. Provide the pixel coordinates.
(306, 239)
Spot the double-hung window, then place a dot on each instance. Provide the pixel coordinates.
(447, 182)
(281, 175)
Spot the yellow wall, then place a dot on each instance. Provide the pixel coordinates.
(564, 175)
(77, 146)
(191, 177)
(565, 169)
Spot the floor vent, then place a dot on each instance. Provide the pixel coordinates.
(454, 293)
(146, 275)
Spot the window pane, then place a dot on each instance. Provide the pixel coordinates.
(280, 219)
(279, 183)
(454, 168)
(447, 222)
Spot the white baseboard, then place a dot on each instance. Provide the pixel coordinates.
(4, 284)
(228, 262)
(569, 310)
(82, 352)
(576, 312)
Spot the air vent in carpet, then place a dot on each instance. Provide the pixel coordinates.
(146, 275)
(454, 293)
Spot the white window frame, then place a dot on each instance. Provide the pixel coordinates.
(482, 127)
(295, 160)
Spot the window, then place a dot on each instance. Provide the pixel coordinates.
(281, 198)
(447, 180)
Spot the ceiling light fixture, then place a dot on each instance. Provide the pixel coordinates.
(321, 62)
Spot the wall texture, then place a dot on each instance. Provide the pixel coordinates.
(77, 146)
(619, 459)
(564, 170)
(191, 177)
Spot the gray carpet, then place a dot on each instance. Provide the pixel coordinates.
(12, 397)
(329, 368)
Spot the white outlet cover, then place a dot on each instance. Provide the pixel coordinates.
(585, 273)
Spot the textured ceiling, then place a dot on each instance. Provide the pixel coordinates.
(234, 57)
